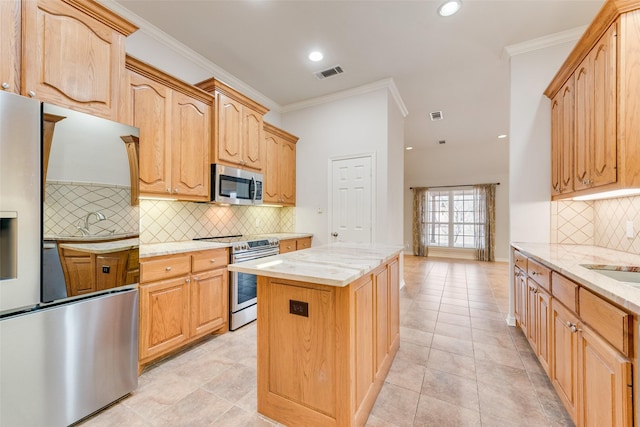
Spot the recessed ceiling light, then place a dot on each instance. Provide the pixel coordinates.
(502, 136)
(315, 56)
(450, 7)
(409, 148)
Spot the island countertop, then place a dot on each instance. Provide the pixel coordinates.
(335, 264)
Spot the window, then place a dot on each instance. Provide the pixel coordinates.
(452, 218)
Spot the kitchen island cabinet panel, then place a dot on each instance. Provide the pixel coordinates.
(326, 369)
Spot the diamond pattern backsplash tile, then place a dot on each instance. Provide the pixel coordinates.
(66, 205)
(611, 216)
(172, 221)
(572, 222)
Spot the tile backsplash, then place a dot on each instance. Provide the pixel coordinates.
(67, 203)
(599, 222)
(172, 221)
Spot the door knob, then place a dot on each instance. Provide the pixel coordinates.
(334, 234)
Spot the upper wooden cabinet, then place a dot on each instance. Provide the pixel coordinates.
(280, 168)
(237, 136)
(600, 120)
(73, 55)
(175, 133)
(562, 137)
(10, 45)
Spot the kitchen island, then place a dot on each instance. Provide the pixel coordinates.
(328, 330)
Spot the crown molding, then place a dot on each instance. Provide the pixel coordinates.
(571, 35)
(388, 84)
(189, 54)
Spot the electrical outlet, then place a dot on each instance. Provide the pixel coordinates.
(630, 234)
(257, 222)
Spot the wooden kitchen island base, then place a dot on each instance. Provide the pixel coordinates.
(324, 351)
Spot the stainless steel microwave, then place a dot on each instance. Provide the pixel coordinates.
(235, 186)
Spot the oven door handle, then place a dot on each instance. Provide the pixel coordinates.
(252, 256)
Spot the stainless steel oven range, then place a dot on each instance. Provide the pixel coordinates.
(243, 287)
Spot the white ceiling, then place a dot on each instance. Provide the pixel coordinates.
(455, 64)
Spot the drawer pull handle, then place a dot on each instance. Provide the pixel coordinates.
(168, 268)
(212, 260)
(195, 278)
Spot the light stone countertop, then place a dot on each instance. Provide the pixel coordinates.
(335, 264)
(287, 236)
(170, 248)
(102, 247)
(92, 238)
(566, 259)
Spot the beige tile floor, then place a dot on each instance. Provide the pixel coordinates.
(459, 364)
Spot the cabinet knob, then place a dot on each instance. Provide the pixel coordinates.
(31, 93)
(168, 268)
(168, 190)
(188, 280)
(212, 260)
(568, 324)
(574, 329)
(5, 85)
(175, 190)
(195, 278)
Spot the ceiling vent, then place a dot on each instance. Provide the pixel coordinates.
(442, 141)
(329, 72)
(436, 115)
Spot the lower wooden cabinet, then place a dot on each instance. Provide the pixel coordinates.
(586, 348)
(290, 245)
(182, 298)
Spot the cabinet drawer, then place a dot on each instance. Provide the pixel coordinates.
(303, 243)
(606, 319)
(287, 246)
(209, 260)
(539, 273)
(164, 268)
(520, 260)
(565, 291)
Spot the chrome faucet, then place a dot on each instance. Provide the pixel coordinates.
(85, 230)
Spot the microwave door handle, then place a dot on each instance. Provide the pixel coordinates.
(255, 192)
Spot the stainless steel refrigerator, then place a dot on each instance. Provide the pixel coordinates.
(65, 357)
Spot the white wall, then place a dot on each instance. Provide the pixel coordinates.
(530, 142)
(348, 126)
(451, 165)
(395, 182)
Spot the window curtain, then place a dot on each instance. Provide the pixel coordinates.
(485, 206)
(420, 207)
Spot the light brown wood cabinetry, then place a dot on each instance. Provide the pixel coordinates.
(589, 350)
(606, 131)
(562, 139)
(280, 168)
(290, 245)
(238, 138)
(175, 133)
(86, 272)
(73, 55)
(326, 367)
(182, 298)
(10, 45)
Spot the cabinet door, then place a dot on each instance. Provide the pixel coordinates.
(10, 37)
(583, 108)
(604, 120)
(71, 59)
(150, 111)
(209, 301)
(564, 357)
(271, 188)
(79, 272)
(562, 142)
(111, 270)
(520, 282)
(164, 316)
(228, 129)
(287, 171)
(252, 139)
(530, 314)
(605, 384)
(191, 138)
(543, 327)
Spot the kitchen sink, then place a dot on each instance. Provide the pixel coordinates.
(621, 273)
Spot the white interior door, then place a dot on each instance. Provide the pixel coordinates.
(351, 200)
